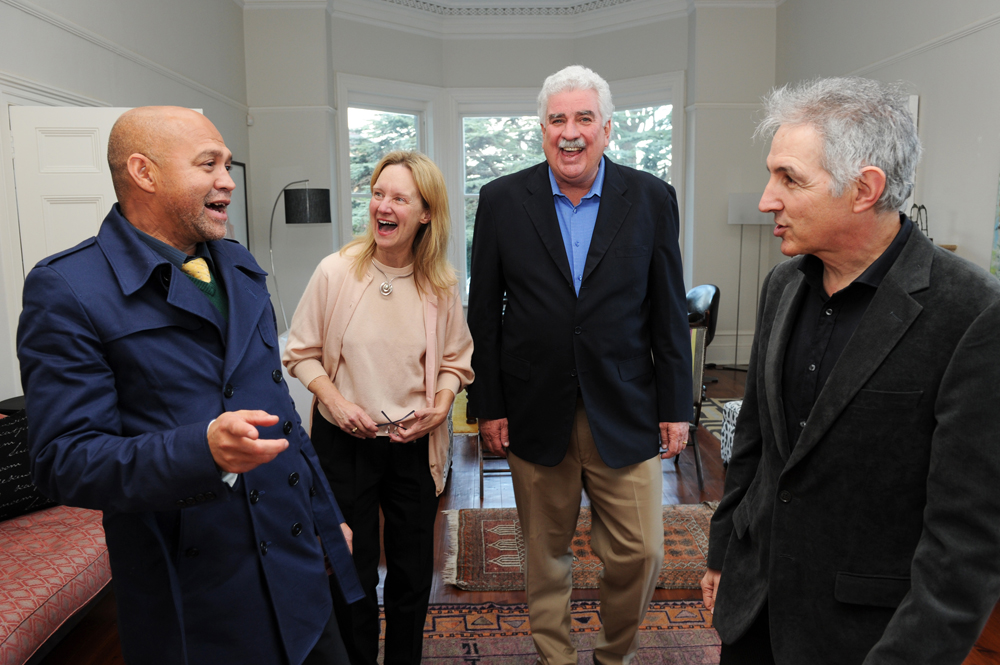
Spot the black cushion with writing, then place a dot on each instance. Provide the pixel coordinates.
(17, 495)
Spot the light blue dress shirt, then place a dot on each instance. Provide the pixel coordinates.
(576, 223)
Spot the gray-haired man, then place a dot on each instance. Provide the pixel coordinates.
(861, 518)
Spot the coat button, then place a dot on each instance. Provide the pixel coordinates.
(293, 479)
(263, 548)
(572, 372)
(190, 501)
(287, 427)
(254, 496)
(180, 503)
(578, 330)
(228, 390)
(312, 491)
(191, 552)
(296, 529)
(785, 496)
(276, 375)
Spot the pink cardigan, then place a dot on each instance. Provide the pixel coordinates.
(317, 334)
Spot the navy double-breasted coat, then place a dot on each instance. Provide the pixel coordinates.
(124, 365)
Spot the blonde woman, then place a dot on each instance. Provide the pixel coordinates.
(380, 339)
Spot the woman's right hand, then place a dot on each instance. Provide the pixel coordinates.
(348, 416)
(351, 418)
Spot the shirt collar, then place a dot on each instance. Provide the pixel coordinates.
(595, 189)
(171, 253)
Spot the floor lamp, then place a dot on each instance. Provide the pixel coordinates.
(743, 211)
(302, 206)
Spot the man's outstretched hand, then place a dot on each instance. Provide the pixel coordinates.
(233, 440)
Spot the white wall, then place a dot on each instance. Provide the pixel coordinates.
(652, 48)
(732, 66)
(111, 53)
(290, 94)
(280, 65)
(949, 52)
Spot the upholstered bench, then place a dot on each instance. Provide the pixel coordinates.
(53, 559)
(53, 562)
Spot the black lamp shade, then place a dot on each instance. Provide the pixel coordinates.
(307, 206)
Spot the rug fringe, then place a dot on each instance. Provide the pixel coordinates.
(450, 573)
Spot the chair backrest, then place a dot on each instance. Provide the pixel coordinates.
(703, 308)
(699, 339)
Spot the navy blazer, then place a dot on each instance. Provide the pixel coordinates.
(876, 538)
(624, 342)
(124, 367)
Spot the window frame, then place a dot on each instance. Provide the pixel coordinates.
(376, 95)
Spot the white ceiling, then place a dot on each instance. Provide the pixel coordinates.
(472, 19)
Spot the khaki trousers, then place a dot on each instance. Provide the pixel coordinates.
(626, 533)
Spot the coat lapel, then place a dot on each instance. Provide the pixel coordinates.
(890, 314)
(781, 332)
(135, 265)
(542, 212)
(247, 300)
(610, 216)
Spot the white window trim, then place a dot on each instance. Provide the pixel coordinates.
(379, 95)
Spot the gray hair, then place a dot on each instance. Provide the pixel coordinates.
(862, 123)
(571, 78)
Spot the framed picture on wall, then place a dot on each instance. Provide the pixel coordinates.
(237, 227)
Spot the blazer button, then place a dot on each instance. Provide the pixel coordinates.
(572, 372)
(287, 428)
(190, 501)
(228, 391)
(191, 552)
(578, 330)
(254, 496)
(180, 503)
(276, 375)
(263, 548)
(296, 529)
(293, 479)
(785, 496)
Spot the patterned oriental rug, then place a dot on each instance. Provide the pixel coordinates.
(677, 632)
(486, 549)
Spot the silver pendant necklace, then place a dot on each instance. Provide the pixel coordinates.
(386, 288)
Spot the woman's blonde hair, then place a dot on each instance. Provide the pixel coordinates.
(430, 245)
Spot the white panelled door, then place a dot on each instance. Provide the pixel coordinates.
(61, 175)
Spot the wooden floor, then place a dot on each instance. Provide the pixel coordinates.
(95, 640)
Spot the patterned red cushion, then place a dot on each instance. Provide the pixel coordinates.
(52, 563)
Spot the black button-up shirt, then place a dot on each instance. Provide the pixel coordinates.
(823, 326)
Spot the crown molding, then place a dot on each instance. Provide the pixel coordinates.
(733, 4)
(33, 90)
(507, 19)
(946, 38)
(283, 4)
(108, 45)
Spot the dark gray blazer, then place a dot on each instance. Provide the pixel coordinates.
(623, 343)
(877, 538)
